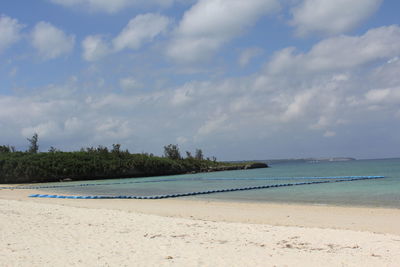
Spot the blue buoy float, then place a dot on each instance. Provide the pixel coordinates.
(317, 180)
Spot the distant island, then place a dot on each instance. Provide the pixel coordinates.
(311, 160)
(301, 160)
(32, 166)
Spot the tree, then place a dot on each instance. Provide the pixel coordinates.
(89, 149)
(102, 149)
(52, 149)
(116, 148)
(172, 151)
(189, 155)
(33, 144)
(199, 154)
(7, 149)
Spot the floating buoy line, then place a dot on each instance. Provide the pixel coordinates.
(33, 187)
(312, 181)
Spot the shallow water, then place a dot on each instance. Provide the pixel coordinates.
(379, 193)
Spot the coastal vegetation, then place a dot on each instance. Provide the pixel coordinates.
(98, 163)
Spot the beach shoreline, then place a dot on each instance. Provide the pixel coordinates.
(188, 232)
(356, 218)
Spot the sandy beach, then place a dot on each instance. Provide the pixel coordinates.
(178, 232)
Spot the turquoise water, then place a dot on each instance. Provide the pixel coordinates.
(377, 193)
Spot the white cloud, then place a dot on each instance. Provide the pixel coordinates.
(248, 54)
(393, 60)
(10, 32)
(216, 123)
(141, 29)
(339, 53)
(383, 97)
(113, 6)
(94, 48)
(315, 95)
(70, 119)
(377, 95)
(129, 83)
(329, 17)
(44, 130)
(113, 128)
(222, 113)
(340, 77)
(298, 105)
(209, 24)
(182, 95)
(181, 140)
(50, 41)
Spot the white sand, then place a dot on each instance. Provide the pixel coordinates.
(47, 233)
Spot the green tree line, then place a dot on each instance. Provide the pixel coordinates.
(93, 163)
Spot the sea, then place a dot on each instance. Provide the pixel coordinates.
(372, 192)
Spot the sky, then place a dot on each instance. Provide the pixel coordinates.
(242, 80)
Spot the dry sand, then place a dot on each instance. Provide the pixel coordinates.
(57, 232)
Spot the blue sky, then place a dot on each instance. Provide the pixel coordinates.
(255, 79)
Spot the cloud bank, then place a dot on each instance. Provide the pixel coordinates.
(311, 92)
(215, 75)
